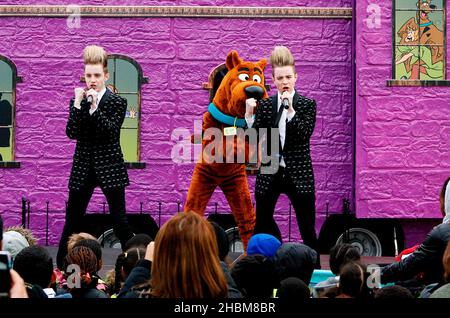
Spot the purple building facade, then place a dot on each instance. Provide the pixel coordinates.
(401, 135)
(402, 138)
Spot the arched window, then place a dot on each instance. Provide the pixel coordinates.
(125, 78)
(8, 80)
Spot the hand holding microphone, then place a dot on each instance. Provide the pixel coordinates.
(91, 96)
(286, 101)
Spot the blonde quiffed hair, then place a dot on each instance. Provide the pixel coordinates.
(281, 56)
(94, 54)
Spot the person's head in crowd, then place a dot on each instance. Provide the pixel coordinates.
(14, 242)
(125, 262)
(95, 246)
(296, 260)
(35, 265)
(255, 276)
(446, 263)
(341, 254)
(292, 289)
(393, 292)
(140, 240)
(74, 238)
(223, 243)
(185, 262)
(264, 244)
(26, 233)
(352, 280)
(18, 289)
(1, 233)
(444, 200)
(85, 258)
(443, 290)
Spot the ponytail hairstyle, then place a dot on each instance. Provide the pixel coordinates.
(342, 254)
(96, 55)
(85, 258)
(281, 56)
(126, 261)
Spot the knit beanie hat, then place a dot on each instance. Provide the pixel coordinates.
(264, 244)
(14, 242)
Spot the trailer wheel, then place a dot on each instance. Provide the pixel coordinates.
(364, 240)
(100, 226)
(109, 240)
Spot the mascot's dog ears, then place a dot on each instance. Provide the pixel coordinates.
(233, 60)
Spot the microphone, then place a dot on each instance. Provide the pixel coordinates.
(285, 103)
(89, 99)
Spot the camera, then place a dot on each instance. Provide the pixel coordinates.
(5, 275)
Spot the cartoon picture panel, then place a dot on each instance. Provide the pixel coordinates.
(419, 49)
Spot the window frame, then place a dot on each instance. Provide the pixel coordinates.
(418, 82)
(15, 79)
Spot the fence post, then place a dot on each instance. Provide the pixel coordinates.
(290, 221)
(46, 226)
(24, 211)
(159, 214)
(28, 212)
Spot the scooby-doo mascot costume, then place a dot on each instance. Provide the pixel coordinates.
(225, 115)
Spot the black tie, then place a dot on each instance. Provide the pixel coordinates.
(277, 121)
(280, 112)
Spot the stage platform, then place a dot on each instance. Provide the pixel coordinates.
(110, 255)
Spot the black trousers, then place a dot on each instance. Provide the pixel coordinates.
(76, 209)
(303, 203)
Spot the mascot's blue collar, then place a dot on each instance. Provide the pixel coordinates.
(426, 24)
(225, 119)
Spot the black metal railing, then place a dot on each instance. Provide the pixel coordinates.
(27, 209)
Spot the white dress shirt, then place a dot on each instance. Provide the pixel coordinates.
(285, 117)
(99, 98)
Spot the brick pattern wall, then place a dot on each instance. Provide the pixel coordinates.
(403, 133)
(176, 54)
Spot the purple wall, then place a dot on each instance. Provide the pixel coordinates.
(402, 138)
(403, 133)
(176, 54)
